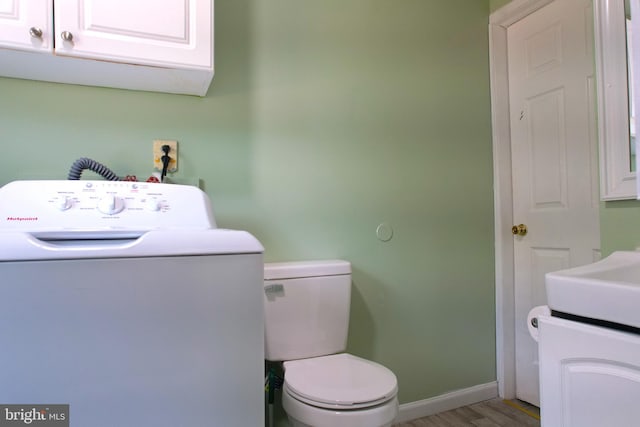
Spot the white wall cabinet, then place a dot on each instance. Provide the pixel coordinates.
(130, 44)
(19, 19)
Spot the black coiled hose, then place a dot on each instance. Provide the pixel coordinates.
(85, 163)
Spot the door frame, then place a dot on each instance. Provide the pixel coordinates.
(499, 22)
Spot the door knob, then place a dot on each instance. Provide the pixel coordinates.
(519, 230)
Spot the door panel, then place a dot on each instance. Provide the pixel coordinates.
(547, 144)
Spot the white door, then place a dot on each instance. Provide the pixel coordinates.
(26, 24)
(145, 32)
(554, 145)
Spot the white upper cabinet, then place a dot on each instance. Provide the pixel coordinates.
(171, 32)
(26, 24)
(133, 44)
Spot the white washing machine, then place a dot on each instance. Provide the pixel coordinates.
(124, 301)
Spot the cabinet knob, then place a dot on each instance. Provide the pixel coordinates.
(35, 32)
(66, 36)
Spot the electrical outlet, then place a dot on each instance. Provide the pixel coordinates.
(158, 153)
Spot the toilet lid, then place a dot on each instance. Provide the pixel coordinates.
(340, 380)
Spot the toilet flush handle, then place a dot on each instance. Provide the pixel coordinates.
(274, 290)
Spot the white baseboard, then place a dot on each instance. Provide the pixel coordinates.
(445, 402)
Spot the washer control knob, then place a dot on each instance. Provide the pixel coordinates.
(63, 203)
(153, 205)
(110, 204)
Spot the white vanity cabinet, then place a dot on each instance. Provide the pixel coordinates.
(589, 375)
(132, 44)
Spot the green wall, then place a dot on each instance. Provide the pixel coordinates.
(497, 4)
(619, 226)
(324, 120)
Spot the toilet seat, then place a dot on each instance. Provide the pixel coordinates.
(339, 381)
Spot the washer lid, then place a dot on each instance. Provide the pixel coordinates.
(340, 380)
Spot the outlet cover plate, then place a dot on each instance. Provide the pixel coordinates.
(158, 153)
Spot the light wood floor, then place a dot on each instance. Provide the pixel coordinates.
(491, 413)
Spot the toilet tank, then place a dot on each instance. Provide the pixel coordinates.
(306, 307)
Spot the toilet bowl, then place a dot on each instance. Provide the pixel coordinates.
(306, 326)
(339, 390)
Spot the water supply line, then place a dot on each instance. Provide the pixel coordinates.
(85, 163)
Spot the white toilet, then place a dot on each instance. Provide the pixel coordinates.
(306, 324)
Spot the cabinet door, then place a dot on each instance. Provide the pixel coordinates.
(167, 33)
(589, 375)
(26, 24)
